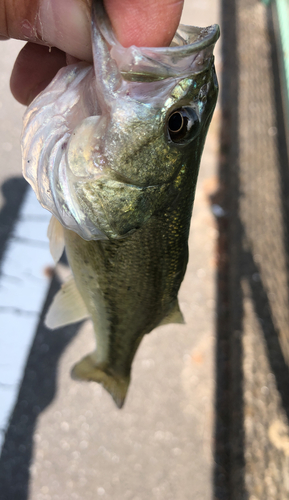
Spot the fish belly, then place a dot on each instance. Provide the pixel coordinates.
(129, 286)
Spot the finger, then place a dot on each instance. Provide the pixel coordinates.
(34, 68)
(64, 24)
(150, 23)
(134, 21)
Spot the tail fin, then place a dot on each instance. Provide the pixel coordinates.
(117, 387)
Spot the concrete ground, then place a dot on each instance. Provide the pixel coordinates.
(252, 409)
(207, 412)
(66, 440)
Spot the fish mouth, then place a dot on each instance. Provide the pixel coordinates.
(190, 52)
(81, 96)
(193, 39)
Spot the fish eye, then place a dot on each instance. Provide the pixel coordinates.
(183, 125)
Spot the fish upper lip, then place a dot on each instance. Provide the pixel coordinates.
(181, 60)
(197, 38)
(205, 37)
(191, 51)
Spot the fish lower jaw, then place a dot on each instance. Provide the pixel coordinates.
(88, 370)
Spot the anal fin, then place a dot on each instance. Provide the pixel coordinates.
(174, 316)
(56, 238)
(88, 370)
(67, 307)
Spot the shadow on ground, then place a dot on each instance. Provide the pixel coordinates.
(13, 192)
(37, 391)
(251, 249)
(249, 240)
(39, 383)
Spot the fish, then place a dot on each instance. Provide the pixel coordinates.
(112, 150)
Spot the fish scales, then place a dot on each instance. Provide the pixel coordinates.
(137, 291)
(113, 152)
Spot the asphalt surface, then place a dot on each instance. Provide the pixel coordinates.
(66, 440)
(252, 430)
(207, 411)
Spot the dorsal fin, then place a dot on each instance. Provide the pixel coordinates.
(67, 307)
(175, 315)
(56, 238)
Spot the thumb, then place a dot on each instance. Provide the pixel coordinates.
(64, 24)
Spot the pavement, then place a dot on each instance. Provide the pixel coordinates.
(66, 440)
(252, 405)
(207, 412)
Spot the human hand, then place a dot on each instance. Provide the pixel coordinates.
(65, 26)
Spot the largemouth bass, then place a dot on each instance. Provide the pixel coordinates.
(113, 152)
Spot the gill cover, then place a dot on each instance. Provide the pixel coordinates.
(78, 152)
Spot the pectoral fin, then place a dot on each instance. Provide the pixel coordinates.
(67, 307)
(56, 238)
(87, 369)
(174, 316)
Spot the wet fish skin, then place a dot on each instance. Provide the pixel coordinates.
(126, 291)
(142, 162)
(122, 186)
(132, 283)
